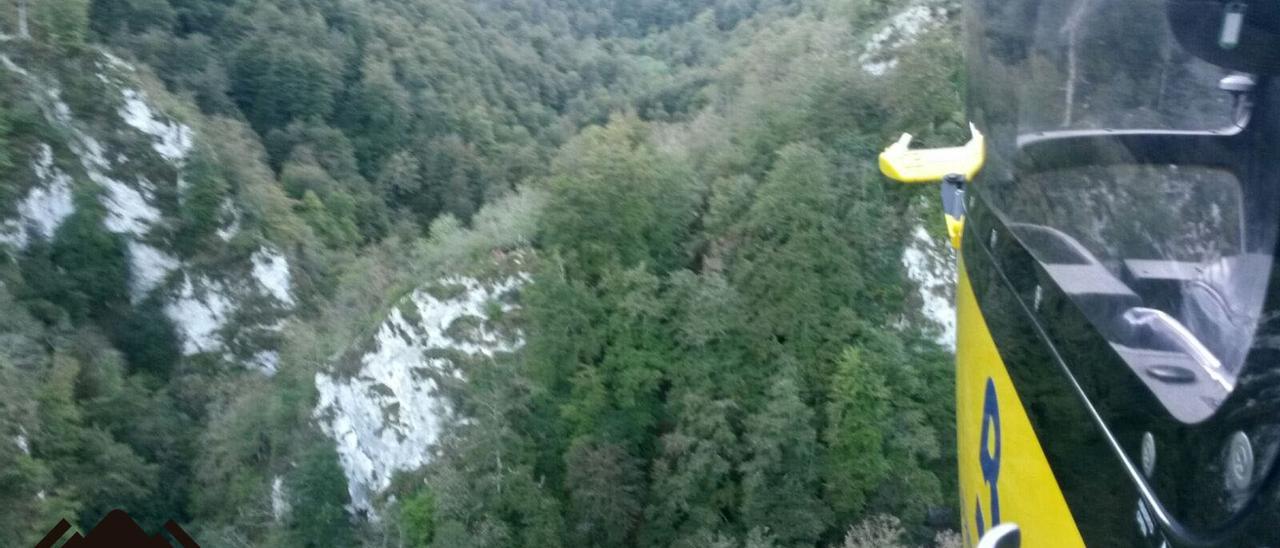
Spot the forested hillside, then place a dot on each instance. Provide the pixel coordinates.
(475, 273)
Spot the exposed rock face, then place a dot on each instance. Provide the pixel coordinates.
(172, 140)
(879, 53)
(931, 264)
(271, 270)
(280, 507)
(386, 414)
(131, 158)
(45, 206)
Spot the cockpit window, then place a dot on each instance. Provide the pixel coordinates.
(1091, 64)
(1155, 257)
(1118, 159)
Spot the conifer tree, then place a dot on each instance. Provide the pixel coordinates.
(781, 488)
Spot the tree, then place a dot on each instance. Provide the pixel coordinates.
(417, 517)
(7, 132)
(202, 202)
(377, 114)
(111, 16)
(795, 267)
(62, 23)
(400, 182)
(781, 485)
(148, 339)
(453, 177)
(318, 492)
(878, 531)
(858, 410)
(920, 437)
(123, 405)
(616, 397)
(605, 489)
(22, 479)
(614, 198)
(487, 493)
(337, 231)
(83, 270)
(275, 82)
(22, 475)
(694, 490)
(893, 392)
(78, 453)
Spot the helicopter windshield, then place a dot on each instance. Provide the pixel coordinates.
(1121, 162)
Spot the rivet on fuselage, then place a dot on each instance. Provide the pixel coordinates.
(1239, 466)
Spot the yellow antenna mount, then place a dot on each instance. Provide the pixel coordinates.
(953, 167)
(929, 165)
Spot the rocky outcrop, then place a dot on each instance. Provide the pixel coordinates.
(132, 158)
(384, 406)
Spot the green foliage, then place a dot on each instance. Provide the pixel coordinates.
(83, 270)
(605, 487)
(746, 357)
(933, 70)
(417, 516)
(859, 407)
(146, 336)
(378, 113)
(617, 396)
(121, 16)
(796, 266)
(62, 23)
(275, 82)
(619, 201)
(6, 155)
(780, 486)
(335, 231)
(694, 487)
(318, 491)
(22, 475)
(22, 478)
(86, 437)
(203, 202)
(79, 452)
(123, 405)
(228, 473)
(486, 492)
(908, 461)
(715, 268)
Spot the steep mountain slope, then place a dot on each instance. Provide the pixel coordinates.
(390, 407)
(123, 159)
(455, 273)
(370, 406)
(148, 266)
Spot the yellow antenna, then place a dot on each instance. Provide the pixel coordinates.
(953, 166)
(929, 165)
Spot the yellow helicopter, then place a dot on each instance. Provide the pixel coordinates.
(1116, 213)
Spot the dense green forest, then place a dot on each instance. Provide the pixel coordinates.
(717, 336)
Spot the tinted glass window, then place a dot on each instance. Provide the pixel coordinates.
(1155, 257)
(1167, 253)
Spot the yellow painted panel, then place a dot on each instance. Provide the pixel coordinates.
(1026, 492)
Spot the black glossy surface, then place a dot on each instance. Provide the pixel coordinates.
(1189, 479)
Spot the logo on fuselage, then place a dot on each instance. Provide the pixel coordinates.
(989, 459)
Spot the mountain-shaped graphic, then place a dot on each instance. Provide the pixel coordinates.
(117, 530)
